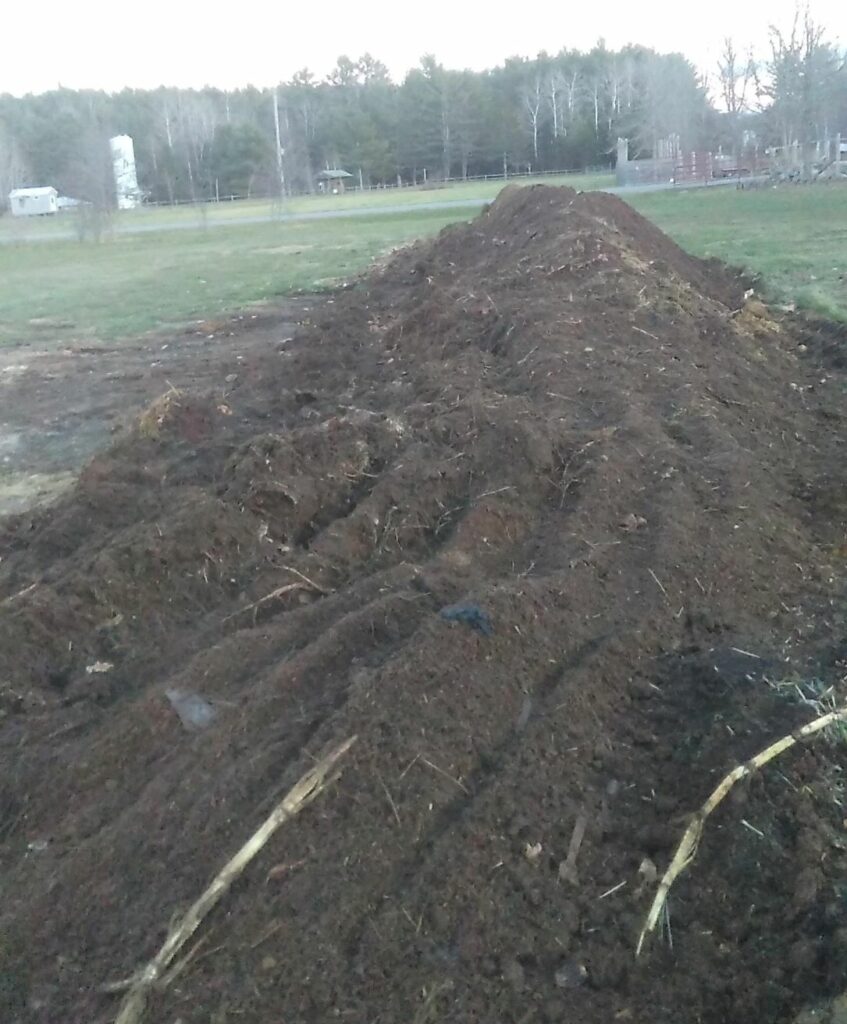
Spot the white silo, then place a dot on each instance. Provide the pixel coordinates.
(123, 166)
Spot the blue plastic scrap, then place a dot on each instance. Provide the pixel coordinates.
(471, 614)
(194, 711)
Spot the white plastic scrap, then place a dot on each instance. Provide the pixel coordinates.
(98, 668)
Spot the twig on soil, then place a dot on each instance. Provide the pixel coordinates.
(70, 727)
(442, 522)
(723, 399)
(498, 490)
(417, 926)
(272, 929)
(116, 987)
(614, 889)
(305, 579)
(410, 765)
(286, 589)
(567, 869)
(424, 1013)
(111, 988)
(310, 786)
(686, 851)
(446, 775)
(668, 930)
(181, 964)
(565, 485)
(522, 360)
(747, 654)
(281, 870)
(390, 799)
(659, 584)
(753, 828)
(272, 596)
(647, 333)
(20, 593)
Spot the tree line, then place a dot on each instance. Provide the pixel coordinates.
(552, 112)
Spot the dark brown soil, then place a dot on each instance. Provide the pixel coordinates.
(551, 413)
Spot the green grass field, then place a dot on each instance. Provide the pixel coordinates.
(795, 237)
(56, 291)
(129, 284)
(212, 214)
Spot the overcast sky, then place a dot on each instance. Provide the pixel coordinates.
(106, 45)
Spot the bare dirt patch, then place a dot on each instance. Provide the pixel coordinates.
(61, 404)
(559, 507)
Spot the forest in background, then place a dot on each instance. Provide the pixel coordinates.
(557, 112)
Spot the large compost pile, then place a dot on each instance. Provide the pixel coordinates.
(551, 516)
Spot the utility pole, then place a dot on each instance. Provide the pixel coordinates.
(278, 146)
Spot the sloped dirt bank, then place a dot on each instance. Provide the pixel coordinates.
(631, 479)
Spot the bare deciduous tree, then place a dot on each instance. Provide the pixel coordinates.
(555, 88)
(533, 102)
(803, 71)
(736, 77)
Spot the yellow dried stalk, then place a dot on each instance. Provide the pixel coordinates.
(311, 785)
(686, 851)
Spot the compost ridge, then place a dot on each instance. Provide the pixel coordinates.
(554, 419)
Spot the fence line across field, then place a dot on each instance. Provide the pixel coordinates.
(429, 184)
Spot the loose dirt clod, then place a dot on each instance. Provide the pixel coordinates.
(547, 417)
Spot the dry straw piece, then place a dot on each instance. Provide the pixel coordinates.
(687, 849)
(311, 785)
(156, 414)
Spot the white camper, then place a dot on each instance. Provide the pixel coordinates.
(33, 202)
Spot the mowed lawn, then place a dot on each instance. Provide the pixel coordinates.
(64, 291)
(212, 214)
(794, 236)
(128, 284)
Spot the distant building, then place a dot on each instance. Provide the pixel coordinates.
(333, 179)
(33, 202)
(123, 167)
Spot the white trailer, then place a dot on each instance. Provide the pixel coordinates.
(33, 202)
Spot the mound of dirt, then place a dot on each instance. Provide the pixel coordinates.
(629, 479)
